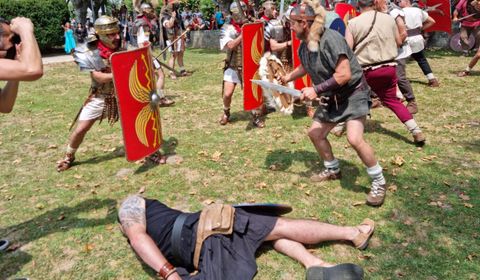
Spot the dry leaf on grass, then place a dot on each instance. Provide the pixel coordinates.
(52, 147)
(39, 206)
(216, 156)
(88, 247)
(141, 190)
(261, 185)
(468, 205)
(464, 197)
(471, 256)
(398, 160)
(392, 188)
(358, 203)
(203, 153)
(208, 202)
(77, 176)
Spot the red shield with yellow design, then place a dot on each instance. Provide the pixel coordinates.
(345, 11)
(140, 117)
(253, 46)
(304, 81)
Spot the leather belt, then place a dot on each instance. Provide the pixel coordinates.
(414, 32)
(176, 238)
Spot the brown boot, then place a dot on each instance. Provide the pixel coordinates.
(65, 163)
(326, 175)
(377, 194)
(412, 106)
(419, 138)
(225, 117)
(433, 83)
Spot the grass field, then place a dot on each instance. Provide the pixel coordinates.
(63, 225)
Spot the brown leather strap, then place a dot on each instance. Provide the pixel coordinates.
(214, 219)
(166, 270)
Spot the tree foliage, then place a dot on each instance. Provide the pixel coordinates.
(47, 16)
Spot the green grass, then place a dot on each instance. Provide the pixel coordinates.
(65, 223)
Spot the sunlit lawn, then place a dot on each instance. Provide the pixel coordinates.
(63, 225)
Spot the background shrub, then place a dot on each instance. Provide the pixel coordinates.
(46, 15)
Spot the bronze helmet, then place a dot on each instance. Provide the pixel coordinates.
(104, 26)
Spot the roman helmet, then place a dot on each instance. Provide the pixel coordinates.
(269, 9)
(106, 25)
(238, 13)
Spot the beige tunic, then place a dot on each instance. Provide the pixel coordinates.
(379, 45)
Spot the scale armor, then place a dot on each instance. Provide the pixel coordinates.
(234, 57)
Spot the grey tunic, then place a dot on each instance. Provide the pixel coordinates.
(352, 98)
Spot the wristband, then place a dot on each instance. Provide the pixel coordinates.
(166, 270)
(327, 85)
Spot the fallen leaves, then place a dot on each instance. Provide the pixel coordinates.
(392, 188)
(429, 158)
(468, 205)
(216, 156)
(398, 161)
(88, 247)
(141, 190)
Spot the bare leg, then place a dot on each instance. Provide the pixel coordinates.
(355, 130)
(77, 136)
(312, 232)
(298, 252)
(318, 133)
(160, 85)
(171, 63)
(228, 89)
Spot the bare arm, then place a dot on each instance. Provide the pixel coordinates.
(295, 74)
(101, 77)
(234, 43)
(133, 221)
(276, 46)
(398, 39)
(169, 23)
(402, 29)
(349, 38)
(342, 75)
(428, 23)
(8, 95)
(28, 65)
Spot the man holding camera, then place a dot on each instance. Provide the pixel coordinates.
(20, 58)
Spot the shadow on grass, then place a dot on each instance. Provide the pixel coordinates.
(430, 223)
(118, 152)
(56, 220)
(374, 126)
(168, 148)
(282, 160)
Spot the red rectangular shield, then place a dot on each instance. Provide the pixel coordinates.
(345, 11)
(134, 81)
(441, 15)
(305, 81)
(253, 47)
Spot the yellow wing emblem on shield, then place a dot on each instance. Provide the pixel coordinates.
(256, 56)
(141, 93)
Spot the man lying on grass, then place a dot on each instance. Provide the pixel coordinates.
(220, 242)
